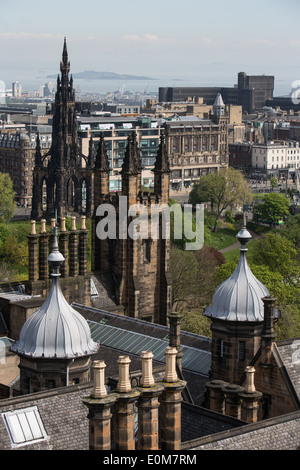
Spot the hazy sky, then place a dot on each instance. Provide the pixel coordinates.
(158, 38)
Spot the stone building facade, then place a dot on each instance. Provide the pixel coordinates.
(197, 147)
(17, 157)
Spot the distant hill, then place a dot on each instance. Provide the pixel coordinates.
(92, 75)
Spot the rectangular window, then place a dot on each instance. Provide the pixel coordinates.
(242, 350)
(147, 250)
(24, 426)
(221, 348)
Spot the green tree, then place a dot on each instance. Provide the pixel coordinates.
(278, 253)
(274, 207)
(291, 229)
(223, 190)
(15, 252)
(7, 194)
(274, 182)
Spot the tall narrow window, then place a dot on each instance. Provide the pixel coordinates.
(242, 350)
(147, 250)
(221, 348)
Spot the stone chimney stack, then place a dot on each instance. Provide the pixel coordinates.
(43, 252)
(233, 400)
(170, 402)
(100, 404)
(174, 333)
(216, 395)
(83, 247)
(148, 405)
(250, 398)
(268, 333)
(33, 253)
(63, 247)
(148, 396)
(124, 410)
(73, 249)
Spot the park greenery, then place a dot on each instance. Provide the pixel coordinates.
(224, 190)
(7, 194)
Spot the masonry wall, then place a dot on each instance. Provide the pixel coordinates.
(276, 397)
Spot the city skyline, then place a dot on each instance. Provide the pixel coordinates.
(162, 40)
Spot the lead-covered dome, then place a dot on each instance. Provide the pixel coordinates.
(239, 298)
(55, 330)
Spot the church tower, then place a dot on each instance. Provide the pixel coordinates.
(138, 265)
(63, 176)
(220, 117)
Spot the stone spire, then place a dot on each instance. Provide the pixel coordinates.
(162, 172)
(162, 164)
(65, 64)
(101, 162)
(131, 170)
(132, 163)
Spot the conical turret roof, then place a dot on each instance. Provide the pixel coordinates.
(239, 298)
(55, 330)
(219, 101)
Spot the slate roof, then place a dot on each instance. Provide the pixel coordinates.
(287, 354)
(64, 415)
(195, 347)
(280, 433)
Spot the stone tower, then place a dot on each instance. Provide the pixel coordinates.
(55, 345)
(137, 265)
(237, 319)
(220, 117)
(62, 178)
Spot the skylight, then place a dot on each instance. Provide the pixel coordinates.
(24, 426)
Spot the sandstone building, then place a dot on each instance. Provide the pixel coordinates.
(197, 146)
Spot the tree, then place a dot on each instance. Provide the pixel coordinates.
(274, 182)
(15, 252)
(274, 207)
(7, 194)
(291, 229)
(278, 253)
(184, 273)
(223, 190)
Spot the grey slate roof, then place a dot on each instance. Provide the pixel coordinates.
(280, 433)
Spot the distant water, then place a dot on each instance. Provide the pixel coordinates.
(30, 82)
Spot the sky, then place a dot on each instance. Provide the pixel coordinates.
(208, 41)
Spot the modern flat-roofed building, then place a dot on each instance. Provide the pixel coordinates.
(116, 130)
(251, 91)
